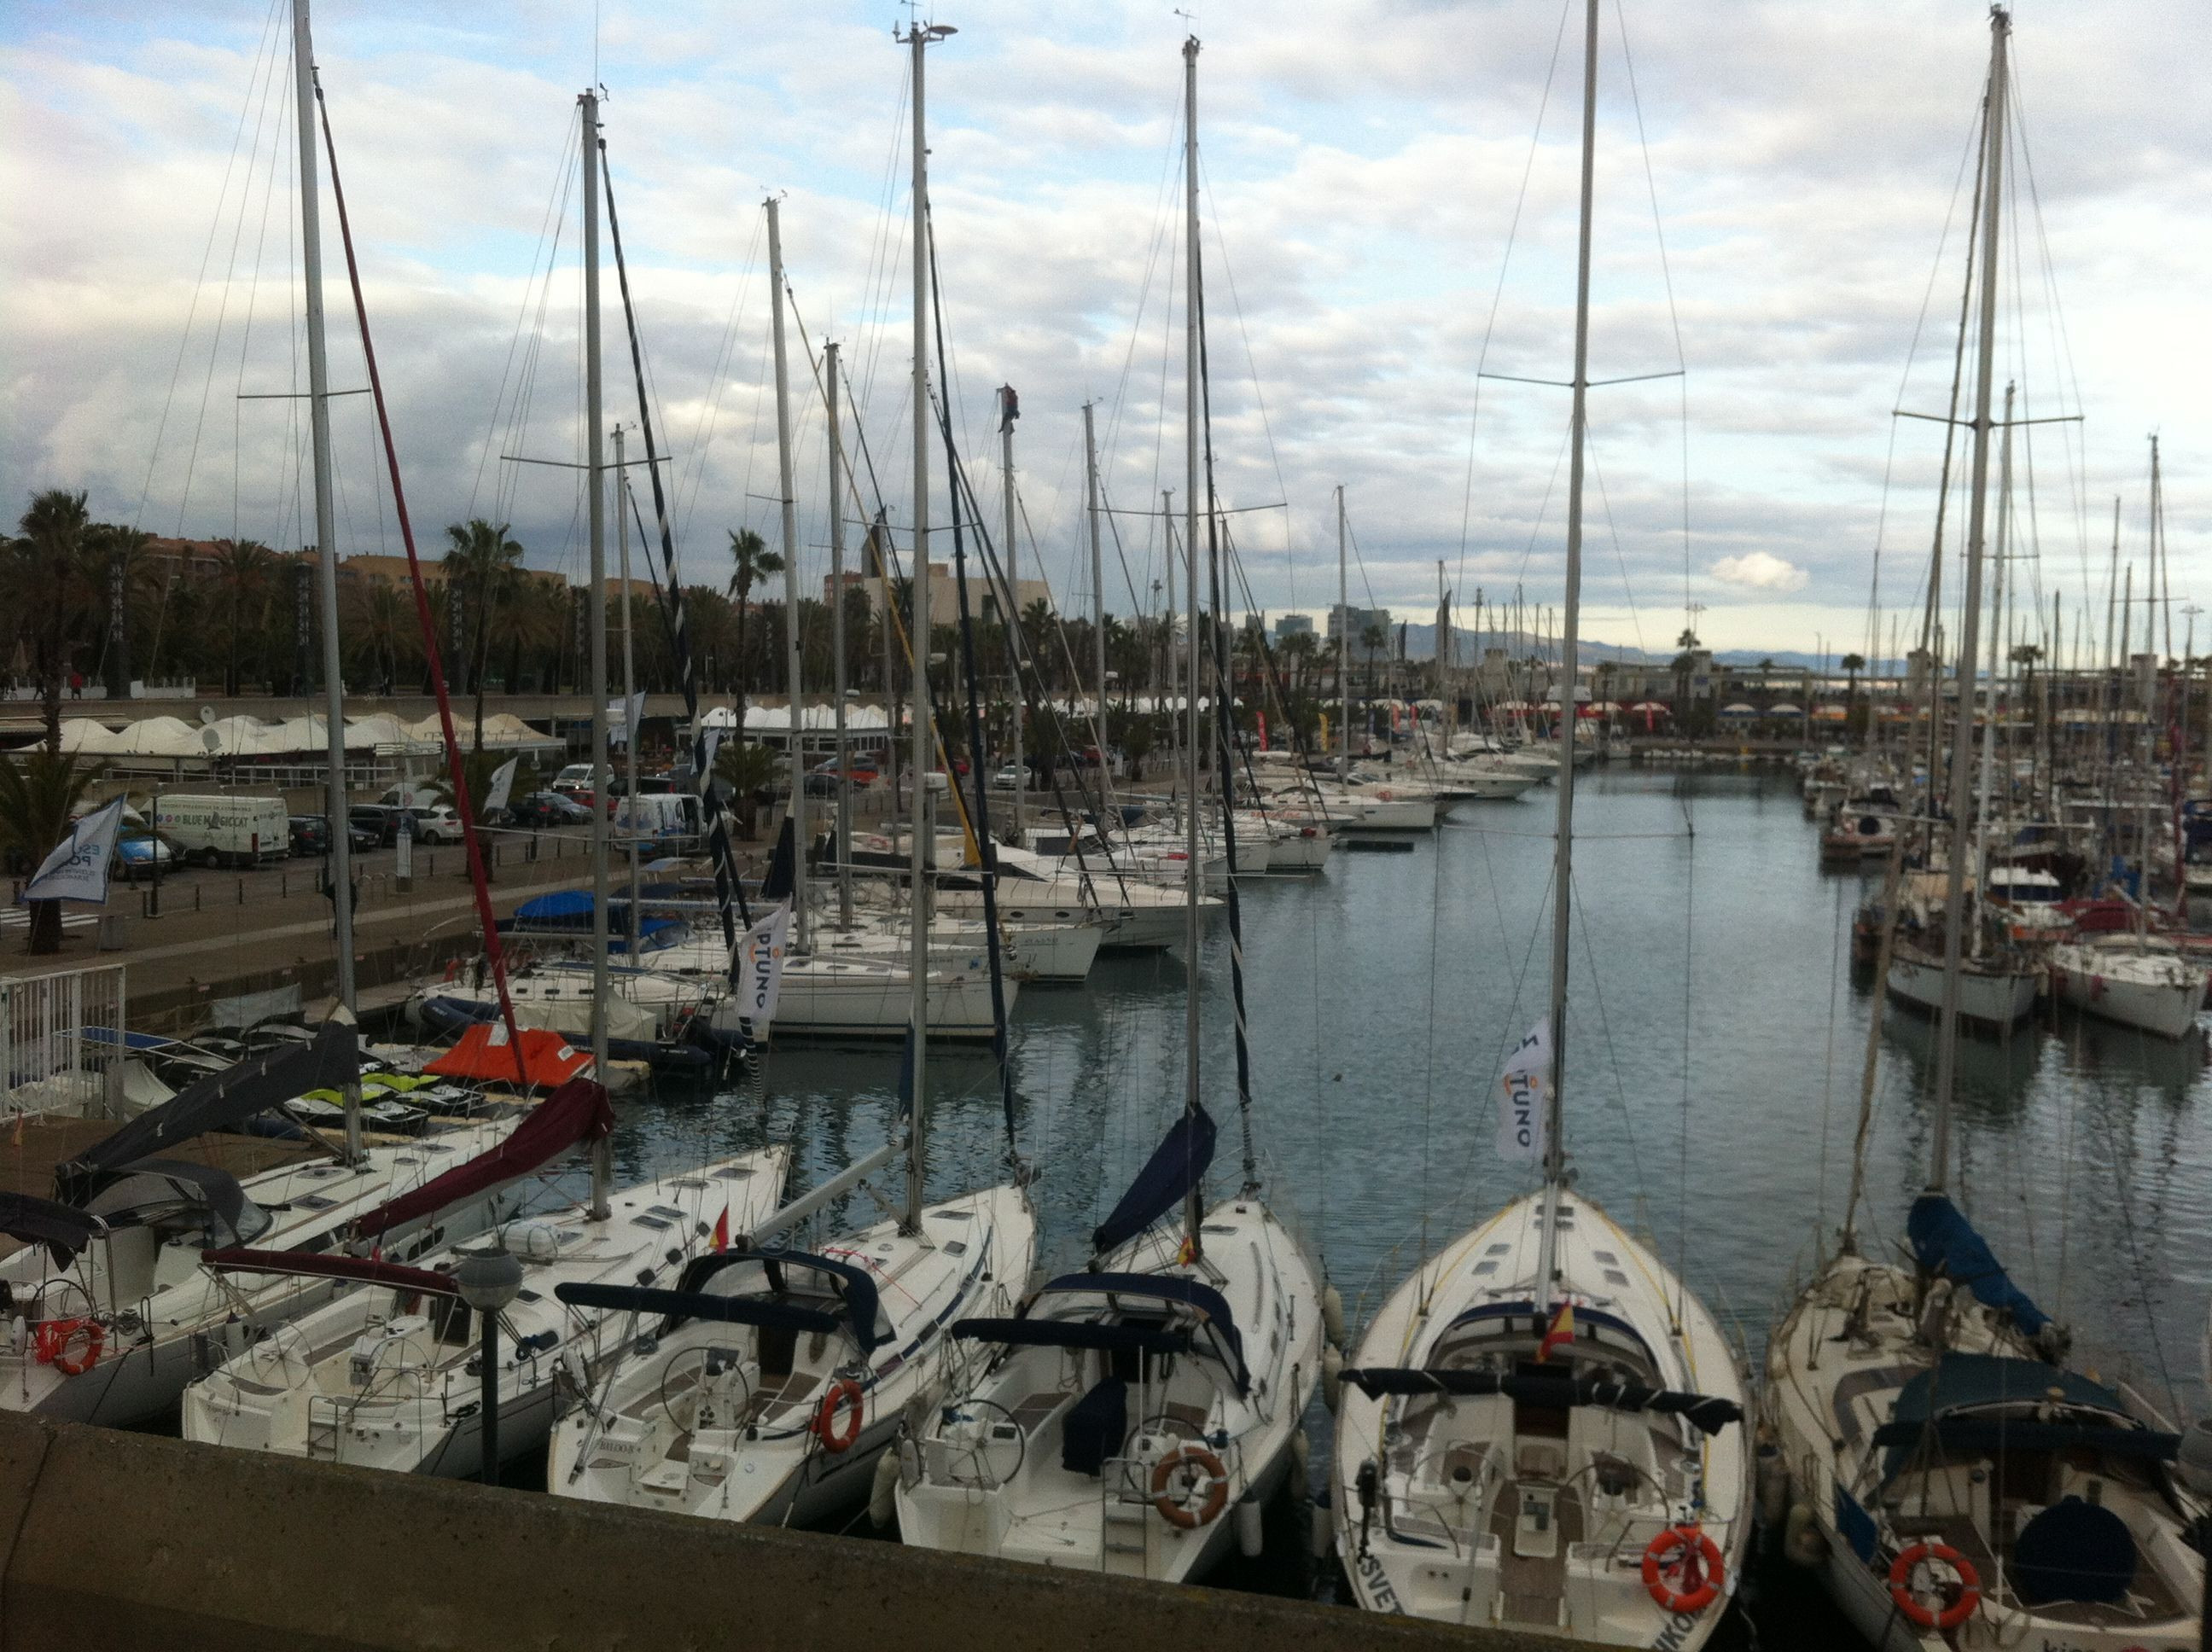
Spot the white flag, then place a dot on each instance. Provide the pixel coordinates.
(1522, 1091)
(77, 869)
(760, 975)
(503, 782)
(713, 749)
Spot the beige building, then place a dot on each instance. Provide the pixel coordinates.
(944, 593)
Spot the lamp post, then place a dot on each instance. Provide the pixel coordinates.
(155, 909)
(488, 1283)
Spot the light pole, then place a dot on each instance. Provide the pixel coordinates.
(488, 1283)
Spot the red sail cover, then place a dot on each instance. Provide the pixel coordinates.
(330, 1265)
(484, 1053)
(577, 1112)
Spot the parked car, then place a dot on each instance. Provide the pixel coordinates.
(439, 824)
(311, 834)
(138, 853)
(362, 836)
(382, 820)
(573, 777)
(1011, 778)
(547, 809)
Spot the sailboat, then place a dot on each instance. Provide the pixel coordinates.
(774, 1377)
(1127, 1406)
(1542, 1427)
(1946, 1476)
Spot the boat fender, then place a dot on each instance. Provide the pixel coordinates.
(1695, 1561)
(1332, 1376)
(1803, 1543)
(1187, 1471)
(1250, 1532)
(1332, 1314)
(1322, 1535)
(1903, 1570)
(1774, 1484)
(883, 1496)
(19, 1334)
(1301, 1456)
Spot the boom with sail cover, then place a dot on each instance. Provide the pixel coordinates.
(1705, 1412)
(1177, 1165)
(328, 1060)
(1945, 1242)
(578, 1111)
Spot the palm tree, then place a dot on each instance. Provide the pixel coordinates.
(482, 565)
(753, 562)
(1374, 639)
(45, 587)
(116, 572)
(244, 569)
(1852, 664)
(748, 769)
(38, 791)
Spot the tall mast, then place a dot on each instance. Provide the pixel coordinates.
(1555, 1152)
(1982, 821)
(1193, 1199)
(844, 827)
(595, 488)
(1947, 1048)
(921, 850)
(787, 494)
(1098, 580)
(1009, 410)
(326, 547)
(629, 690)
(1343, 648)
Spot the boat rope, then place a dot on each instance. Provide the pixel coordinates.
(463, 804)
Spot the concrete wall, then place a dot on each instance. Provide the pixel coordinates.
(111, 1540)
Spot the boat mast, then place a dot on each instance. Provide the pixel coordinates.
(1008, 412)
(1343, 648)
(920, 850)
(1983, 823)
(1194, 1198)
(1555, 1152)
(1947, 1048)
(326, 572)
(630, 701)
(1098, 584)
(595, 488)
(844, 826)
(785, 492)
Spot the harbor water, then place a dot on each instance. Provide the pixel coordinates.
(1714, 1047)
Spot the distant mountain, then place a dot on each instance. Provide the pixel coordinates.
(1421, 644)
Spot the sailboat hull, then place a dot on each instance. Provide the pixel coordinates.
(2152, 991)
(1991, 1000)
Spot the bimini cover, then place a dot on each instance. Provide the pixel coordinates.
(1211, 1307)
(577, 1112)
(62, 1229)
(1709, 1412)
(1970, 1402)
(150, 1184)
(1945, 1242)
(483, 1051)
(1177, 1165)
(858, 1311)
(326, 1061)
(1075, 1333)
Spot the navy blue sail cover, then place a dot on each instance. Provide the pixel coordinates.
(1944, 1242)
(1176, 1166)
(1209, 1304)
(692, 1300)
(1708, 1412)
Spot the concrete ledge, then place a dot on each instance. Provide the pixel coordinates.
(125, 1540)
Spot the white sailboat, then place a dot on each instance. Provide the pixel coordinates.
(1543, 1427)
(776, 1378)
(1948, 1480)
(1119, 1415)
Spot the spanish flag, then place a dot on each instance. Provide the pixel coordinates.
(1562, 1334)
(1186, 1253)
(722, 1231)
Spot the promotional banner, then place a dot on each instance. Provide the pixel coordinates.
(623, 717)
(77, 869)
(502, 783)
(1522, 1091)
(710, 751)
(762, 961)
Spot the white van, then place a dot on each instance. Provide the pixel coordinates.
(657, 815)
(224, 829)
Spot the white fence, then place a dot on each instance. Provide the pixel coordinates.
(61, 1044)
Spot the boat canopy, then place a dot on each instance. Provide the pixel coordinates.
(482, 1052)
(1177, 1165)
(857, 1312)
(1944, 1242)
(577, 1112)
(328, 1061)
(1956, 1403)
(1076, 1333)
(1209, 1305)
(131, 1192)
(62, 1229)
(1706, 1411)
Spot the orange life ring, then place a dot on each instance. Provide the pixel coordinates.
(1699, 1559)
(55, 1337)
(1178, 1511)
(1900, 1586)
(844, 1396)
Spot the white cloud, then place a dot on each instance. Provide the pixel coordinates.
(1759, 570)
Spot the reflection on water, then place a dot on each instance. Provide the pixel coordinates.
(1711, 1083)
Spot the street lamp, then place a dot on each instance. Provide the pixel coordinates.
(488, 1283)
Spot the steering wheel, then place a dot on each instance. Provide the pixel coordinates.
(706, 1354)
(981, 1451)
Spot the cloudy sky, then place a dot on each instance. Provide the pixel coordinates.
(1369, 170)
